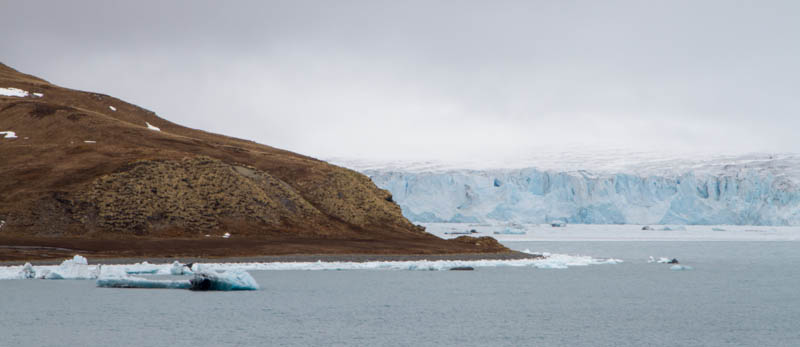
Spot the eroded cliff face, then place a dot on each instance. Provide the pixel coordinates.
(88, 164)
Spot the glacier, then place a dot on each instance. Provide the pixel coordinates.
(757, 189)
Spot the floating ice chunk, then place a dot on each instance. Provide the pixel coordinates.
(227, 280)
(76, 268)
(510, 232)
(179, 269)
(27, 271)
(226, 236)
(151, 127)
(38, 95)
(139, 282)
(210, 280)
(661, 260)
(142, 268)
(13, 92)
(112, 108)
(717, 229)
(9, 134)
(77, 259)
(680, 268)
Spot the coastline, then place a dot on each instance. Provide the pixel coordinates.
(293, 258)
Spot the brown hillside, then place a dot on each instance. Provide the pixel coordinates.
(79, 170)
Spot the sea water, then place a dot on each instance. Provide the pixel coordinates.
(737, 294)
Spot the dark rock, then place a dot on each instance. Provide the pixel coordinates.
(462, 268)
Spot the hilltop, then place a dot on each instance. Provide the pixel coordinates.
(87, 171)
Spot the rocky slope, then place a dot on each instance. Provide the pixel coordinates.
(83, 166)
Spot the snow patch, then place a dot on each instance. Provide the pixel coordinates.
(226, 236)
(13, 92)
(89, 141)
(38, 95)
(9, 134)
(152, 127)
(112, 108)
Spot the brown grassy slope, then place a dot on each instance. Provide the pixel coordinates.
(179, 183)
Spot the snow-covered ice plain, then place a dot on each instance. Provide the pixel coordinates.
(597, 188)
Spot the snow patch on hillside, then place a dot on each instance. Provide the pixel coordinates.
(152, 127)
(13, 92)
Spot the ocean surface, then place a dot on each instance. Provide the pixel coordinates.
(738, 294)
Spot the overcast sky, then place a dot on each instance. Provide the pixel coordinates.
(433, 79)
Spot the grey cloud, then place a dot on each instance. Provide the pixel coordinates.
(405, 79)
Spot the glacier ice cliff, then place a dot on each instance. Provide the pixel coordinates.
(760, 190)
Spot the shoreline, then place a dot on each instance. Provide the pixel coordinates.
(293, 258)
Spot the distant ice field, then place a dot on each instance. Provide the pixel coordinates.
(509, 232)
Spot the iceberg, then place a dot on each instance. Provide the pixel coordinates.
(178, 269)
(139, 282)
(234, 276)
(229, 280)
(76, 268)
(27, 271)
(143, 268)
(510, 232)
(662, 260)
(680, 268)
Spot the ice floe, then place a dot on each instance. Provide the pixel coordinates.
(27, 271)
(9, 134)
(144, 268)
(680, 268)
(140, 282)
(661, 260)
(226, 280)
(13, 92)
(152, 127)
(77, 268)
(179, 269)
